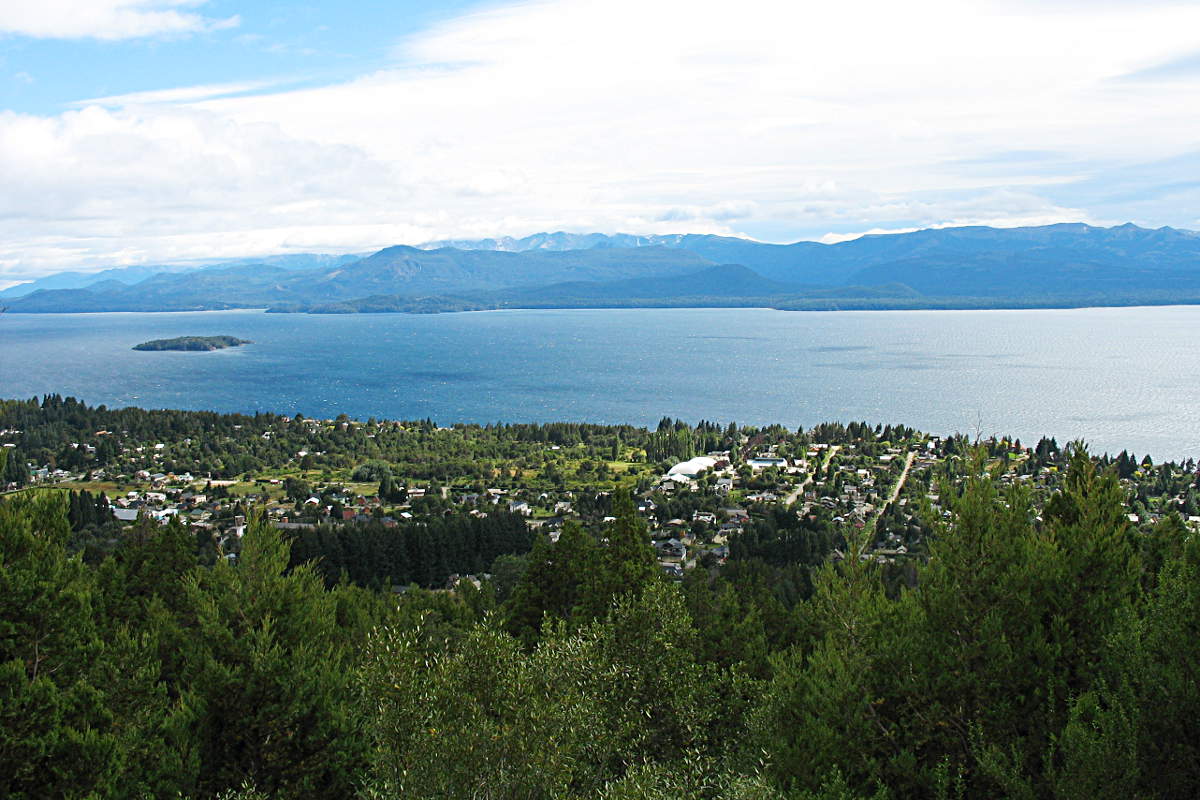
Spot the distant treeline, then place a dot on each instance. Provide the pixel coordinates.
(58, 432)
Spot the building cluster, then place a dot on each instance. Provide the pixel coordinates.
(888, 491)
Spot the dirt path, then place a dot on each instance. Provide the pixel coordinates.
(795, 495)
(899, 487)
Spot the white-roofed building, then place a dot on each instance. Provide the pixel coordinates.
(762, 462)
(692, 467)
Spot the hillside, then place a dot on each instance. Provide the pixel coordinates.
(722, 286)
(297, 600)
(128, 276)
(970, 267)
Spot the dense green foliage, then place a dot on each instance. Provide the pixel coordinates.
(1039, 639)
(230, 445)
(1033, 657)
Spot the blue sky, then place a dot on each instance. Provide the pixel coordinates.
(274, 43)
(149, 131)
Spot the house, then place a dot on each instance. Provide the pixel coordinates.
(736, 514)
(670, 483)
(455, 580)
(520, 507)
(763, 461)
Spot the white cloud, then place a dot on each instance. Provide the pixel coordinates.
(101, 186)
(185, 94)
(782, 120)
(835, 238)
(104, 19)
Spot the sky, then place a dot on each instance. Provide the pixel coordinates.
(157, 131)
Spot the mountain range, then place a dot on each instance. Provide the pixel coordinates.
(969, 267)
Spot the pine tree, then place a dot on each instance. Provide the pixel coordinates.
(264, 671)
(627, 561)
(55, 729)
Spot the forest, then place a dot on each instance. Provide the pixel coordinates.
(1040, 646)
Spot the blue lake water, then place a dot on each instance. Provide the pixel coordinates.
(1118, 378)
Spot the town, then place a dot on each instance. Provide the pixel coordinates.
(708, 493)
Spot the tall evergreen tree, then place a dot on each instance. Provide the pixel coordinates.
(265, 673)
(56, 734)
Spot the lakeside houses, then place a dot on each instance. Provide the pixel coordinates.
(886, 489)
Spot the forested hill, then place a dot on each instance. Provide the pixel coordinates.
(970, 267)
(1022, 625)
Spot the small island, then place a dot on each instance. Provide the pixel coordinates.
(193, 343)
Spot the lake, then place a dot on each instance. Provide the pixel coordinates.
(1120, 378)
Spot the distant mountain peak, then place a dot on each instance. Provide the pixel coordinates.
(1073, 259)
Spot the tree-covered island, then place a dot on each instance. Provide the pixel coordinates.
(193, 343)
(212, 605)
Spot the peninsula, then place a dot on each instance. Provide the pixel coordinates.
(192, 343)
